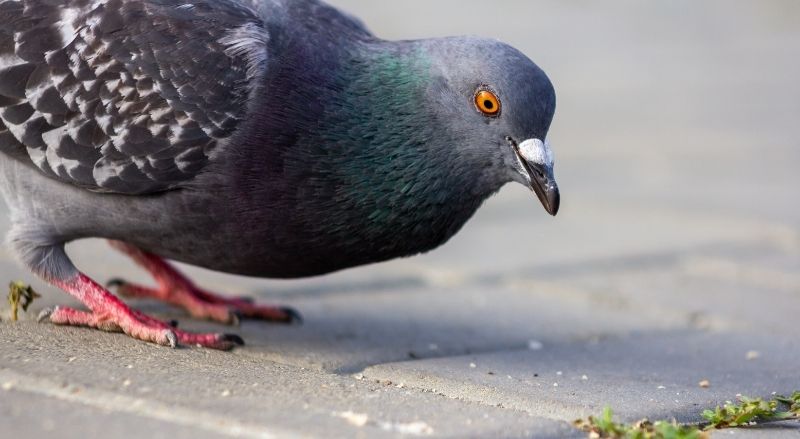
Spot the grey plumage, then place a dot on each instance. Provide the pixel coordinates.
(267, 138)
(102, 94)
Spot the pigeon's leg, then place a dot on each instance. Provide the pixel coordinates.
(110, 314)
(178, 290)
(41, 249)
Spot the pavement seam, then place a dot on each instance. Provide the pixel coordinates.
(374, 372)
(114, 402)
(560, 412)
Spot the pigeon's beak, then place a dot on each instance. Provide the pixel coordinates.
(544, 185)
(536, 161)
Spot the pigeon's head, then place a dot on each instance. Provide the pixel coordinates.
(496, 106)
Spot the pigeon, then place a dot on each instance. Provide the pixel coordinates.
(267, 138)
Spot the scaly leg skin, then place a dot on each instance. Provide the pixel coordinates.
(174, 288)
(110, 314)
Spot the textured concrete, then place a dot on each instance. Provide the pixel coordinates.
(29, 413)
(675, 259)
(642, 375)
(238, 393)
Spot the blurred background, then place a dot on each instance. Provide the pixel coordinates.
(676, 132)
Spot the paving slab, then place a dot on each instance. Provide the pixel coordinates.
(654, 375)
(728, 287)
(346, 332)
(26, 414)
(787, 430)
(236, 393)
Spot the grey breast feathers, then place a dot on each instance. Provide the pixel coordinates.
(125, 96)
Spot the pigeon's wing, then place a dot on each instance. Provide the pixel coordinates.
(125, 96)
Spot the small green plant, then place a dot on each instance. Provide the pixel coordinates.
(748, 411)
(792, 401)
(20, 295)
(605, 427)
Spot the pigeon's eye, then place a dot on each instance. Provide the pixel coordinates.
(487, 103)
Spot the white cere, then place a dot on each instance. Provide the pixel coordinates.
(536, 151)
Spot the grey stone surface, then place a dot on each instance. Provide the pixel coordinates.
(654, 375)
(721, 287)
(676, 253)
(239, 393)
(788, 430)
(26, 414)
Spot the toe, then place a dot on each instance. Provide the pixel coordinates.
(271, 314)
(292, 315)
(115, 283)
(226, 342)
(45, 314)
(223, 342)
(169, 339)
(234, 318)
(233, 338)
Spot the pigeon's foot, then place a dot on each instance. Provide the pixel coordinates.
(204, 305)
(192, 303)
(174, 288)
(110, 314)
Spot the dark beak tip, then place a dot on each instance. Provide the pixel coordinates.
(544, 185)
(550, 198)
(548, 194)
(554, 203)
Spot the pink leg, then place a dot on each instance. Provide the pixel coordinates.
(176, 289)
(110, 314)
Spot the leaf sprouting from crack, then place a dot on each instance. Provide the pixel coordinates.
(750, 411)
(20, 295)
(605, 427)
(746, 412)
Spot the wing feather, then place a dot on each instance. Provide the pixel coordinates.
(127, 96)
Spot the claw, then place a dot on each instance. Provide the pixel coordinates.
(115, 283)
(233, 338)
(293, 317)
(172, 339)
(45, 314)
(223, 342)
(235, 318)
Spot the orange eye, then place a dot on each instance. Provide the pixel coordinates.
(487, 102)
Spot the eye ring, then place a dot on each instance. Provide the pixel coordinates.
(487, 102)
